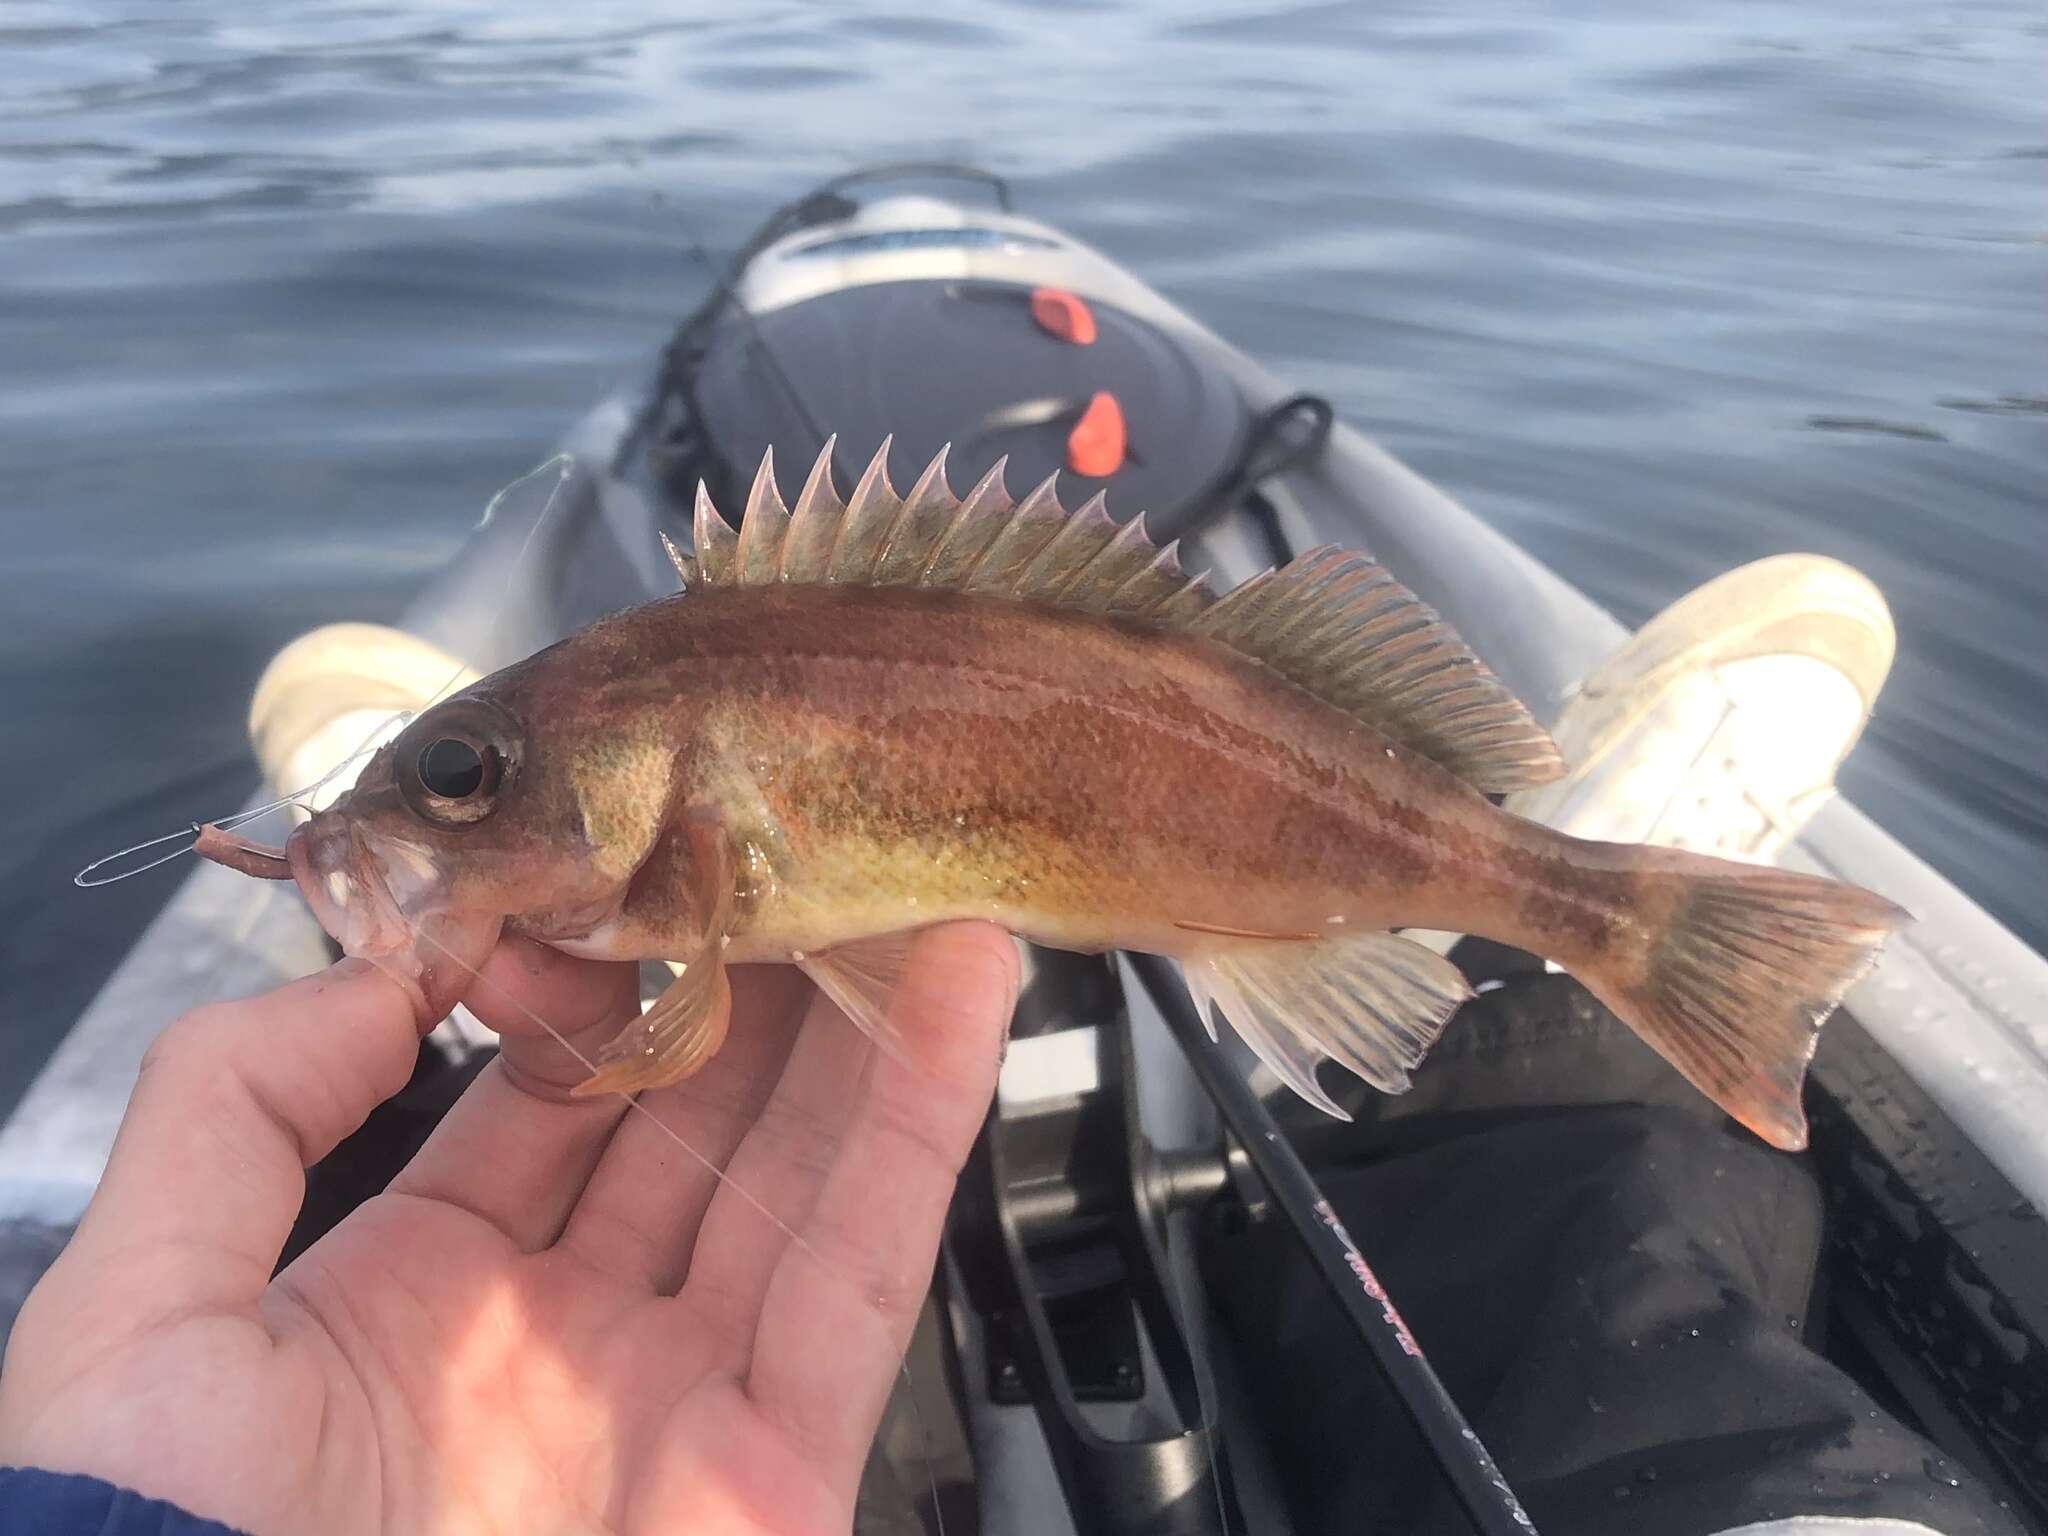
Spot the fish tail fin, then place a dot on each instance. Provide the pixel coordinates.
(1733, 984)
(1372, 1002)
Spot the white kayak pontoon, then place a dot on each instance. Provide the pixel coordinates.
(1681, 726)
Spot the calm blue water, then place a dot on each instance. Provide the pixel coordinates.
(285, 297)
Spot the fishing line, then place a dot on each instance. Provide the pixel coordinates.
(86, 879)
(695, 250)
(718, 1173)
(561, 463)
(89, 877)
(590, 1066)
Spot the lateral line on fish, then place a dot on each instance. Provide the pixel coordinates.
(1243, 933)
(1178, 734)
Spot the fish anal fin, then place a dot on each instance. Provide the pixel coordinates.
(680, 1031)
(1374, 1003)
(861, 978)
(1196, 975)
(1338, 625)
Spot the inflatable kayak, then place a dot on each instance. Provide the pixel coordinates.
(1128, 1244)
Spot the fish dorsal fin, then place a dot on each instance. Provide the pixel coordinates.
(984, 542)
(1336, 623)
(1332, 622)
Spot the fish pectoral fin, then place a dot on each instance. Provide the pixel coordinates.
(862, 978)
(680, 1031)
(687, 882)
(1371, 1002)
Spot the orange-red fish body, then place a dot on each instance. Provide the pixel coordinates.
(869, 716)
(886, 759)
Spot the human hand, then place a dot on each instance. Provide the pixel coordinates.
(555, 1319)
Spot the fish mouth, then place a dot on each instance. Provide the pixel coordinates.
(389, 907)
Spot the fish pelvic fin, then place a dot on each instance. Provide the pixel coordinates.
(673, 1038)
(1374, 1003)
(861, 978)
(1332, 622)
(1732, 985)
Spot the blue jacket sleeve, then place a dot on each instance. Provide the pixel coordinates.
(37, 1503)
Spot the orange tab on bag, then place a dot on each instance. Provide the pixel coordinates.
(1096, 447)
(1064, 315)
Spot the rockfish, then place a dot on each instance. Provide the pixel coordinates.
(863, 716)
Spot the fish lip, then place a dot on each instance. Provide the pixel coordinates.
(349, 887)
(432, 952)
(346, 886)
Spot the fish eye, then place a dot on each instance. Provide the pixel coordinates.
(452, 764)
(452, 768)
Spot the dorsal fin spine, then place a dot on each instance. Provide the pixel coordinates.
(686, 568)
(762, 529)
(974, 527)
(931, 485)
(871, 510)
(886, 535)
(926, 510)
(1075, 543)
(1032, 525)
(1141, 594)
(1106, 553)
(713, 537)
(818, 495)
(813, 524)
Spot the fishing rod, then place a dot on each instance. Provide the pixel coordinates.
(1466, 1463)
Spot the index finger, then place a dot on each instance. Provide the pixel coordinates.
(839, 1311)
(233, 1102)
(517, 1150)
